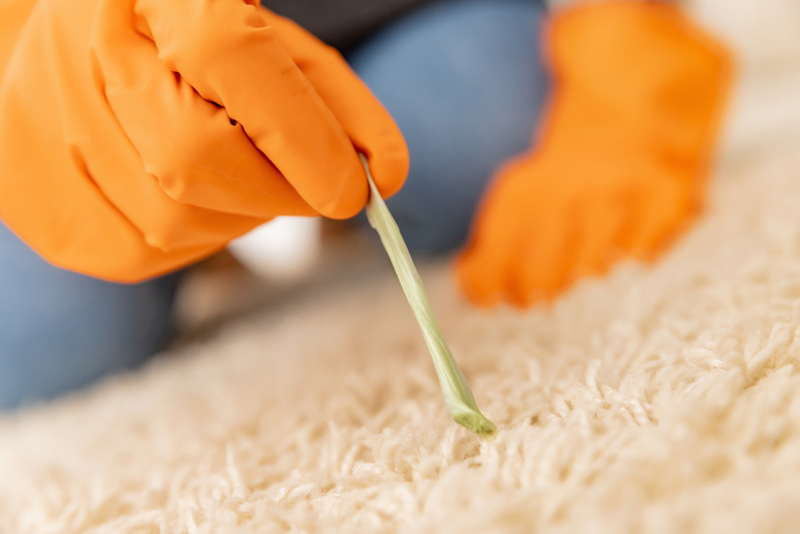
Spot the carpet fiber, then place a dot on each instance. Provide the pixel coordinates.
(658, 399)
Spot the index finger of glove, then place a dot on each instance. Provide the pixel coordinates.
(366, 122)
(226, 51)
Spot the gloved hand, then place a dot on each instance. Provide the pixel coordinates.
(137, 136)
(619, 170)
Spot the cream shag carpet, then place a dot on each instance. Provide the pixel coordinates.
(663, 399)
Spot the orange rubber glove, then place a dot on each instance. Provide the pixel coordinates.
(137, 136)
(620, 166)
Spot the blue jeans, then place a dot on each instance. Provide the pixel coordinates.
(465, 83)
(60, 330)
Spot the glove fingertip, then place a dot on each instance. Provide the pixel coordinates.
(388, 165)
(471, 275)
(350, 192)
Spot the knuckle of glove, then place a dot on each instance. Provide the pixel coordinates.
(191, 158)
(205, 38)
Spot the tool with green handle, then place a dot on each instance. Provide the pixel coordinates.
(457, 394)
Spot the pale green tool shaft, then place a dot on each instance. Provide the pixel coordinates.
(457, 394)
